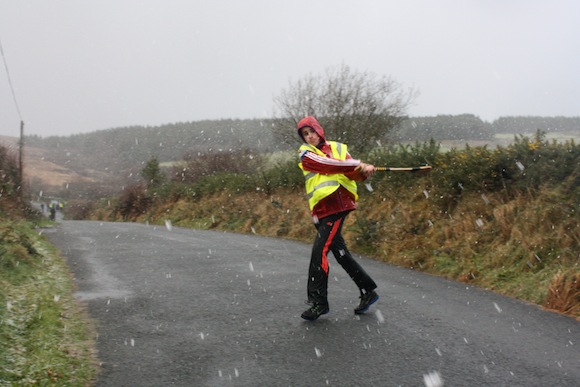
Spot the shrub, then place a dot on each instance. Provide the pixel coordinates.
(8, 172)
(134, 201)
(11, 204)
(17, 250)
(79, 209)
(197, 167)
(285, 175)
(530, 163)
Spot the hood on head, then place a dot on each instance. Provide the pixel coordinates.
(314, 124)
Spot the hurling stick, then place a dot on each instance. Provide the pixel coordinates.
(422, 169)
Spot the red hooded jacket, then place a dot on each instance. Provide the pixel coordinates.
(341, 200)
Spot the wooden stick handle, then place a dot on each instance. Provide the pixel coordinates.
(424, 168)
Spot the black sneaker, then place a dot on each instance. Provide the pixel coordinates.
(366, 300)
(315, 311)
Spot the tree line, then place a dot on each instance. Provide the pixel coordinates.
(470, 127)
(122, 149)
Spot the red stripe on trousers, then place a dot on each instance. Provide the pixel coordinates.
(334, 230)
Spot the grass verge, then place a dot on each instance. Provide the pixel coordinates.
(45, 337)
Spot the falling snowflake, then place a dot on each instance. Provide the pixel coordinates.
(433, 379)
(380, 317)
(485, 199)
(318, 352)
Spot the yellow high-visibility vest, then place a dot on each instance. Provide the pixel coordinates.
(319, 186)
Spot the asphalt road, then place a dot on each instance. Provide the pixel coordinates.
(178, 307)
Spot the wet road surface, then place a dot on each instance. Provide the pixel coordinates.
(179, 307)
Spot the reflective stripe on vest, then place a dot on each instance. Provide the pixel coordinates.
(319, 186)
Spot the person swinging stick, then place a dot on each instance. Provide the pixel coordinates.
(331, 175)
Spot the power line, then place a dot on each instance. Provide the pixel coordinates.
(10, 82)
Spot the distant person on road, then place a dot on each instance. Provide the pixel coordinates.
(331, 175)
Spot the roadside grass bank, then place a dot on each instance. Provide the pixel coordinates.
(524, 247)
(45, 334)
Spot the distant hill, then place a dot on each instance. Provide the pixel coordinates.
(40, 172)
(122, 149)
(110, 159)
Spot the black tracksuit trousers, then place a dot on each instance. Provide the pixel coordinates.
(329, 237)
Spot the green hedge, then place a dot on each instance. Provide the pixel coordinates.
(525, 165)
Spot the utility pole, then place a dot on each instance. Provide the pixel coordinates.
(21, 161)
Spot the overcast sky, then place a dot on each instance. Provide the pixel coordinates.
(79, 66)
